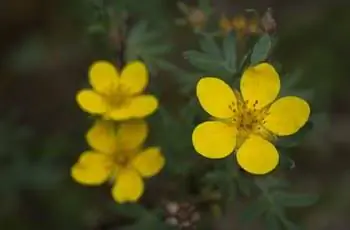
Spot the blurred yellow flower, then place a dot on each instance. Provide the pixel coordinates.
(117, 155)
(247, 121)
(240, 24)
(117, 96)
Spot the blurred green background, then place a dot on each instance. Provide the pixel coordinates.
(45, 52)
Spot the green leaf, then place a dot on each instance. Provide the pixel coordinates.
(288, 225)
(215, 177)
(205, 5)
(145, 43)
(295, 200)
(285, 161)
(254, 210)
(160, 49)
(244, 185)
(296, 139)
(96, 29)
(229, 47)
(147, 221)
(208, 45)
(203, 61)
(129, 210)
(270, 182)
(272, 222)
(261, 49)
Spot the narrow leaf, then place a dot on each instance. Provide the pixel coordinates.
(229, 47)
(295, 200)
(208, 45)
(261, 50)
(203, 61)
(272, 222)
(254, 210)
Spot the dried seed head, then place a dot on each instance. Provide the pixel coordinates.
(268, 22)
(182, 215)
(172, 208)
(197, 18)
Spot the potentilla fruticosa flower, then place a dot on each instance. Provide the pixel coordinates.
(117, 96)
(248, 121)
(117, 156)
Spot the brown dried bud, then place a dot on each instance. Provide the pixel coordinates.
(197, 18)
(268, 22)
(182, 215)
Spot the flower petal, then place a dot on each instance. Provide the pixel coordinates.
(138, 107)
(257, 156)
(214, 139)
(216, 97)
(132, 134)
(128, 187)
(134, 78)
(91, 102)
(149, 162)
(103, 76)
(260, 85)
(92, 168)
(287, 115)
(102, 136)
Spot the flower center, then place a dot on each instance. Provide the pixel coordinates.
(117, 96)
(248, 120)
(122, 158)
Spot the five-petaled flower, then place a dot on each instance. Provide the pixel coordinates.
(117, 156)
(117, 96)
(248, 121)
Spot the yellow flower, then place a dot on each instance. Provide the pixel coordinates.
(247, 121)
(117, 156)
(225, 24)
(240, 24)
(117, 96)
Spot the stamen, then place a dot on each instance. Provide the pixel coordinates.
(255, 104)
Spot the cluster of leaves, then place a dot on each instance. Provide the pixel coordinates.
(217, 56)
(272, 197)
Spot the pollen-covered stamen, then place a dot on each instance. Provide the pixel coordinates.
(247, 120)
